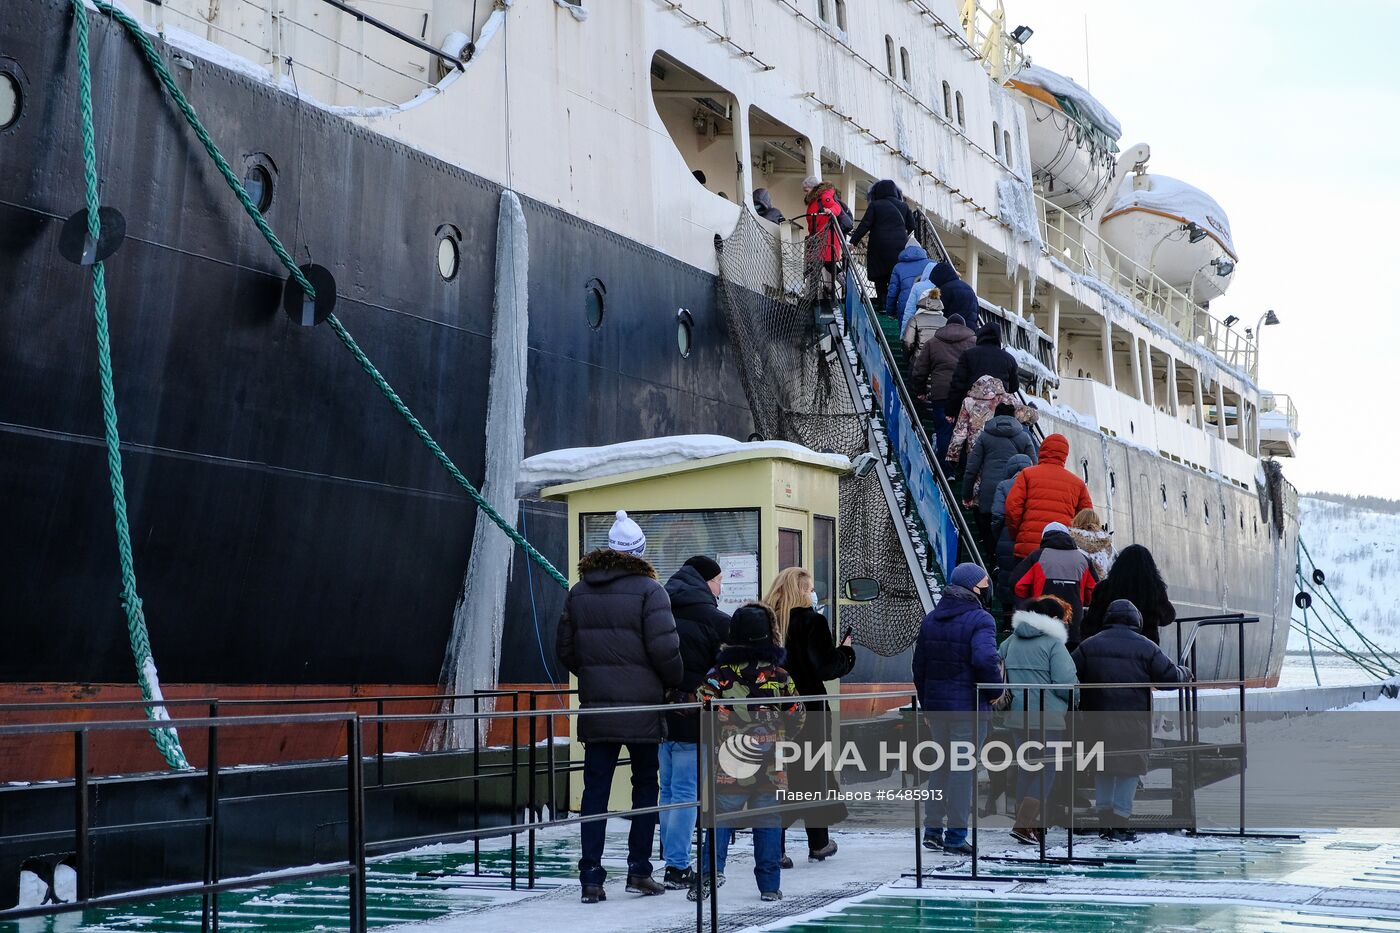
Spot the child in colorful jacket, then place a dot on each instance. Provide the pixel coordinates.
(747, 774)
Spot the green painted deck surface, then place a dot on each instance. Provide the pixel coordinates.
(894, 914)
(436, 884)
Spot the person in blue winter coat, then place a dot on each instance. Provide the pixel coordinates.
(956, 650)
(912, 265)
(958, 296)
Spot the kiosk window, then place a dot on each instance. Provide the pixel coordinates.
(789, 548)
(675, 537)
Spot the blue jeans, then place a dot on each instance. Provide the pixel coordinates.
(1028, 782)
(678, 785)
(1116, 792)
(599, 763)
(956, 787)
(767, 836)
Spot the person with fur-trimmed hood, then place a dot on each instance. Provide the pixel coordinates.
(1036, 653)
(750, 665)
(975, 411)
(1096, 541)
(617, 635)
(1057, 568)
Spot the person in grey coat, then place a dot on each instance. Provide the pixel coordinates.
(1006, 543)
(617, 635)
(1003, 438)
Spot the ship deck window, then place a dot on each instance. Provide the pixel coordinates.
(904, 64)
(685, 332)
(996, 138)
(962, 118)
(449, 252)
(1006, 146)
(841, 15)
(11, 101)
(889, 55)
(701, 118)
(594, 302)
(947, 100)
(258, 183)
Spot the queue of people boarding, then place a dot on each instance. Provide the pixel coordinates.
(1079, 613)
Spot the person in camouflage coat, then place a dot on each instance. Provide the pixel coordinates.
(747, 776)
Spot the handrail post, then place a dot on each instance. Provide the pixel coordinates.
(209, 914)
(530, 793)
(476, 783)
(354, 792)
(379, 740)
(81, 814)
(514, 784)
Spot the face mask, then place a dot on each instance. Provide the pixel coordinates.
(984, 596)
(814, 599)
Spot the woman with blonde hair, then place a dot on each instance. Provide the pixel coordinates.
(813, 657)
(1096, 541)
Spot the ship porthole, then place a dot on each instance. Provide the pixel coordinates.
(11, 100)
(449, 252)
(259, 180)
(594, 302)
(685, 332)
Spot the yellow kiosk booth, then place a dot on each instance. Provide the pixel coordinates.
(755, 508)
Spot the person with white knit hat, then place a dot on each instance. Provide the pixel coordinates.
(618, 636)
(626, 536)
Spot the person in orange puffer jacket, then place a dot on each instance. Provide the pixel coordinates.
(1042, 494)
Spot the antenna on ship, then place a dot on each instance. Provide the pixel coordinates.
(1088, 84)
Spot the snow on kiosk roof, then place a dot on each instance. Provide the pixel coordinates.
(579, 468)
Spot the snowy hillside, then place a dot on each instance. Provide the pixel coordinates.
(1358, 547)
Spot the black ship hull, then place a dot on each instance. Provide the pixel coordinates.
(289, 529)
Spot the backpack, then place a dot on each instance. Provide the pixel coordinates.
(916, 291)
(844, 218)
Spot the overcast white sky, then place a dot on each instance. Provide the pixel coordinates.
(1289, 116)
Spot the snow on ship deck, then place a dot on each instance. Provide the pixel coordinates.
(1330, 881)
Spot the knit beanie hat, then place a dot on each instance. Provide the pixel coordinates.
(626, 536)
(1053, 527)
(811, 181)
(707, 568)
(957, 319)
(967, 576)
(752, 623)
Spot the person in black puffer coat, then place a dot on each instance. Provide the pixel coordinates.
(958, 296)
(1123, 715)
(889, 223)
(703, 627)
(987, 358)
(813, 658)
(617, 635)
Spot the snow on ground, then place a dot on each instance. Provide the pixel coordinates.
(1359, 551)
(580, 463)
(1378, 705)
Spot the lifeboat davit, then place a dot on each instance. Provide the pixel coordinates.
(1175, 230)
(1073, 138)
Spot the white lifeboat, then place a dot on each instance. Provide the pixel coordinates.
(1175, 230)
(1073, 139)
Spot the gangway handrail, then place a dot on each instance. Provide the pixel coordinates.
(945, 489)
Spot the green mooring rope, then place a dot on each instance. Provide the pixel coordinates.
(166, 738)
(158, 66)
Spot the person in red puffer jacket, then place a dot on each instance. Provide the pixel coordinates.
(1042, 494)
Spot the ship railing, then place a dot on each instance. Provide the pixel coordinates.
(86, 830)
(1070, 241)
(985, 28)
(1281, 403)
(327, 50)
(215, 707)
